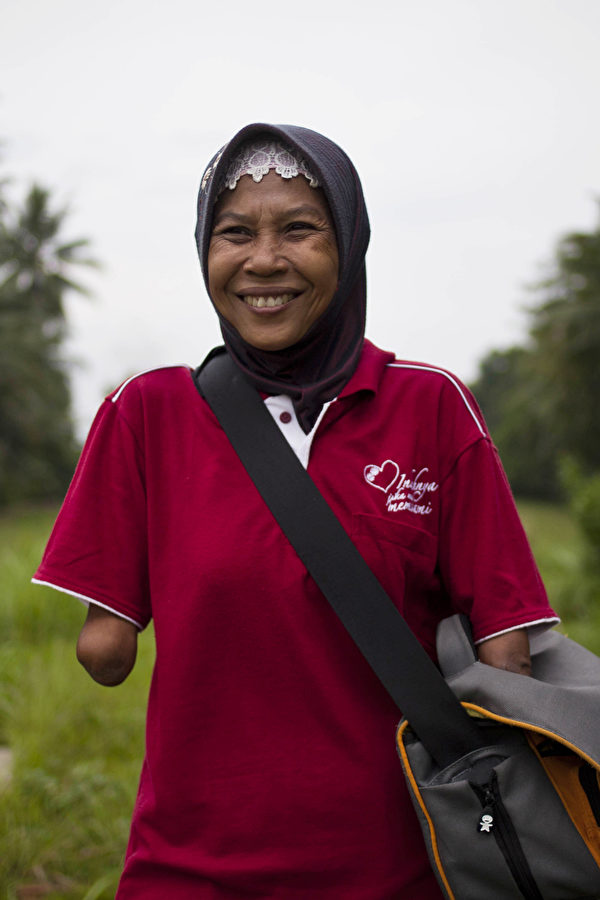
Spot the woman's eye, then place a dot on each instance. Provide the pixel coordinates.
(301, 226)
(233, 231)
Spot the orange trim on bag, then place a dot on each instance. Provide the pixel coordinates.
(417, 793)
(563, 771)
(528, 726)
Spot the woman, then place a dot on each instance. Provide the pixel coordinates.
(270, 766)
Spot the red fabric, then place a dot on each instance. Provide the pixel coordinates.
(270, 766)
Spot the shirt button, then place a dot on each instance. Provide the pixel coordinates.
(285, 417)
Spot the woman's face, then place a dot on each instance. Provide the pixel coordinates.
(272, 259)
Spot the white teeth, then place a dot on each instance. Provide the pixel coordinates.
(269, 301)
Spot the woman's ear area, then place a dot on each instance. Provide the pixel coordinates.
(107, 646)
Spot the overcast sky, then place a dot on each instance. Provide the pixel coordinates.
(473, 123)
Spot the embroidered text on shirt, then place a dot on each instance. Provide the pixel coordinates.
(410, 493)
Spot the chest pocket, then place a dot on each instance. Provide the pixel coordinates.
(403, 557)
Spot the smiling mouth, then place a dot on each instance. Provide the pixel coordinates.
(268, 300)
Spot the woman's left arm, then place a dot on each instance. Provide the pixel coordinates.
(508, 651)
(485, 560)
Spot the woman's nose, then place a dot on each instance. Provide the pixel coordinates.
(265, 256)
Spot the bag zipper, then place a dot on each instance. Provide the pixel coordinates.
(496, 820)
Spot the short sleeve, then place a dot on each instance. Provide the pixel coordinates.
(486, 563)
(98, 547)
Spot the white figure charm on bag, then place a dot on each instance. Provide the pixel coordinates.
(486, 824)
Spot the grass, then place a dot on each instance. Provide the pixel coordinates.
(555, 540)
(558, 547)
(77, 747)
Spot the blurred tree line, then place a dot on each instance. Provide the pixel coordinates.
(37, 443)
(541, 399)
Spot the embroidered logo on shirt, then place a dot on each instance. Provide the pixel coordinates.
(382, 477)
(410, 492)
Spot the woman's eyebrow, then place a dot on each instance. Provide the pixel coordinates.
(304, 209)
(237, 217)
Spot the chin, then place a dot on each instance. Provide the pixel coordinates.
(273, 342)
(274, 346)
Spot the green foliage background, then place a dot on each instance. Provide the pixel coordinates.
(77, 747)
(540, 399)
(37, 445)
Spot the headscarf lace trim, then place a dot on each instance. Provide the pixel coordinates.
(258, 157)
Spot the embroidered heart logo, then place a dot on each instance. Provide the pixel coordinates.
(382, 477)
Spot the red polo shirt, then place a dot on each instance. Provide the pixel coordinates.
(270, 766)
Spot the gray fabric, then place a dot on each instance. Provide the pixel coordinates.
(563, 698)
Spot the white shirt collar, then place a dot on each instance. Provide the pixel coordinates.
(282, 410)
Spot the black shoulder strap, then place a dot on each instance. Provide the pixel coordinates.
(323, 545)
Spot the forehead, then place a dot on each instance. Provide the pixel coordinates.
(272, 194)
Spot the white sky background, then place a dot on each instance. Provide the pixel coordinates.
(474, 126)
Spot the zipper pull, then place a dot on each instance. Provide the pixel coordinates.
(485, 792)
(486, 823)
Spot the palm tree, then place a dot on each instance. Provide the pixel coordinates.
(36, 435)
(36, 264)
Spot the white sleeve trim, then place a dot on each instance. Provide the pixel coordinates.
(87, 600)
(451, 379)
(120, 390)
(538, 624)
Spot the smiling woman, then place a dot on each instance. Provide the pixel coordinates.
(272, 259)
(270, 767)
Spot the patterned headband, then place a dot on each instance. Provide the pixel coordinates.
(258, 157)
